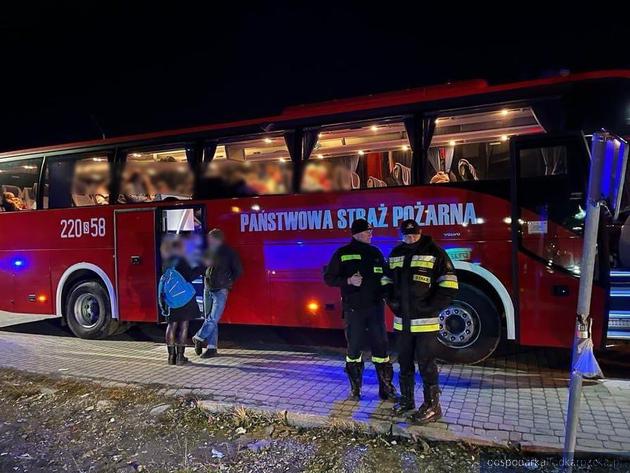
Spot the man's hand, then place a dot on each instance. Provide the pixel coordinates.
(355, 280)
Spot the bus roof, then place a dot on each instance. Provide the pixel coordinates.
(370, 102)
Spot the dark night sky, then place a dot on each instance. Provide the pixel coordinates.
(67, 66)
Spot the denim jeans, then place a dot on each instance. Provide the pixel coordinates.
(215, 305)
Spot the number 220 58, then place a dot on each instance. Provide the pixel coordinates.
(77, 228)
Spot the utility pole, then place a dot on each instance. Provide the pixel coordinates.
(606, 179)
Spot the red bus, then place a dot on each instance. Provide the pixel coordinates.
(495, 173)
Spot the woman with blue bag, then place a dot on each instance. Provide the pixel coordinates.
(177, 300)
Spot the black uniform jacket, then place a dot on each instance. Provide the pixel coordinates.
(424, 280)
(369, 262)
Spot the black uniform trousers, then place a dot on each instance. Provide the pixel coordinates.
(358, 322)
(418, 347)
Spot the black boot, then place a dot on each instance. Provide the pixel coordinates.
(180, 359)
(406, 402)
(385, 374)
(198, 346)
(430, 410)
(355, 375)
(171, 354)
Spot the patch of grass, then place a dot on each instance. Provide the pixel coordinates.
(338, 425)
(248, 419)
(17, 391)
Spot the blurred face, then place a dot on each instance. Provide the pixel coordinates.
(364, 237)
(410, 239)
(213, 243)
(177, 249)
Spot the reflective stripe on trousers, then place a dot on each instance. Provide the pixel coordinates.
(419, 325)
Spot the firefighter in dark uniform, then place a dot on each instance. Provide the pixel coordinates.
(357, 269)
(424, 283)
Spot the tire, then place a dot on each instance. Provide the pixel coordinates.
(88, 311)
(470, 328)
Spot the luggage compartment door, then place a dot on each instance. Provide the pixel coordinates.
(136, 265)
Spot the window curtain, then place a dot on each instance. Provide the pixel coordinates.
(194, 156)
(300, 144)
(555, 160)
(60, 177)
(419, 132)
(441, 158)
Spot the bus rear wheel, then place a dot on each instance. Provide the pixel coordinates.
(470, 328)
(88, 311)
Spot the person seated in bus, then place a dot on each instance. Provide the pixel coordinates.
(11, 203)
(101, 195)
(224, 181)
(440, 177)
(316, 177)
(137, 188)
(175, 283)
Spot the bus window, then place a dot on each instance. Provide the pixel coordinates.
(359, 157)
(90, 182)
(71, 181)
(474, 147)
(156, 175)
(253, 167)
(18, 184)
(538, 162)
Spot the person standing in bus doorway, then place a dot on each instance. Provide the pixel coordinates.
(224, 268)
(177, 298)
(424, 283)
(357, 269)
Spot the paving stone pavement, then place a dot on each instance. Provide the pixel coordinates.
(515, 398)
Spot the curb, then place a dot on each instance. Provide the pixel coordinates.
(398, 430)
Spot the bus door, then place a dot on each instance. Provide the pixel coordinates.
(176, 222)
(136, 264)
(548, 187)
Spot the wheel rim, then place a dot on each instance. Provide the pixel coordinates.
(87, 310)
(460, 325)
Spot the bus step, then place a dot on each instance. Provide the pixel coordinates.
(618, 335)
(619, 324)
(620, 292)
(619, 276)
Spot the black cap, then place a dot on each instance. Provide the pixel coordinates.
(360, 225)
(410, 227)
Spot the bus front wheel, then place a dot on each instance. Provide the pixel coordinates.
(88, 311)
(470, 328)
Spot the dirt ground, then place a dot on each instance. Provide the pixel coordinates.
(54, 424)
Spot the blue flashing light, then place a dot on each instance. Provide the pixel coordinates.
(18, 263)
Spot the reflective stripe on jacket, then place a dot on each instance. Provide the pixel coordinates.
(423, 283)
(366, 260)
